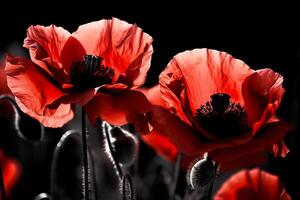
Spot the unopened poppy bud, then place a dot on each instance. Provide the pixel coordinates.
(202, 173)
(125, 146)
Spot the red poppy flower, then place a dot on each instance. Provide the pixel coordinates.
(208, 101)
(100, 59)
(11, 171)
(252, 184)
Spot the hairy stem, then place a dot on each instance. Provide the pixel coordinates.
(115, 160)
(84, 134)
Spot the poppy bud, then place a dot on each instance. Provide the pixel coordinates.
(202, 173)
(66, 167)
(125, 145)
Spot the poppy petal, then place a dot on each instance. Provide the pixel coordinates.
(103, 106)
(45, 43)
(80, 98)
(252, 184)
(72, 52)
(264, 139)
(3, 84)
(201, 73)
(11, 174)
(35, 93)
(204, 72)
(153, 95)
(262, 92)
(119, 109)
(180, 134)
(161, 144)
(280, 149)
(124, 47)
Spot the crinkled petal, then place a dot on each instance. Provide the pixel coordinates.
(262, 92)
(35, 93)
(192, 77)
(124, 47)
(45, 44)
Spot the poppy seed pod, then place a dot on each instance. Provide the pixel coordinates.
(202, 173)
(125, 145)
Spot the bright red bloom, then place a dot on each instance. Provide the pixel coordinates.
(252, 184)
(11, 170)
(99, 60)
(208, 101)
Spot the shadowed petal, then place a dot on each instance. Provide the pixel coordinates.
(262, 92)
(268, 136)
(72, 52)
(180, 134)
(153, 95)
(161, 144)
(118, 109)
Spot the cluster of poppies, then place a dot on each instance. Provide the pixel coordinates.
(206, 101)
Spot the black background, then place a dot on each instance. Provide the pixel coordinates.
(262, 36)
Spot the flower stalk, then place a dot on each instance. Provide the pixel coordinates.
(84, 135)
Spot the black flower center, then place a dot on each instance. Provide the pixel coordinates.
(90, 73)
(222, 118)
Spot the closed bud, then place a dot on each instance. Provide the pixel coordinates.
(125, 146)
